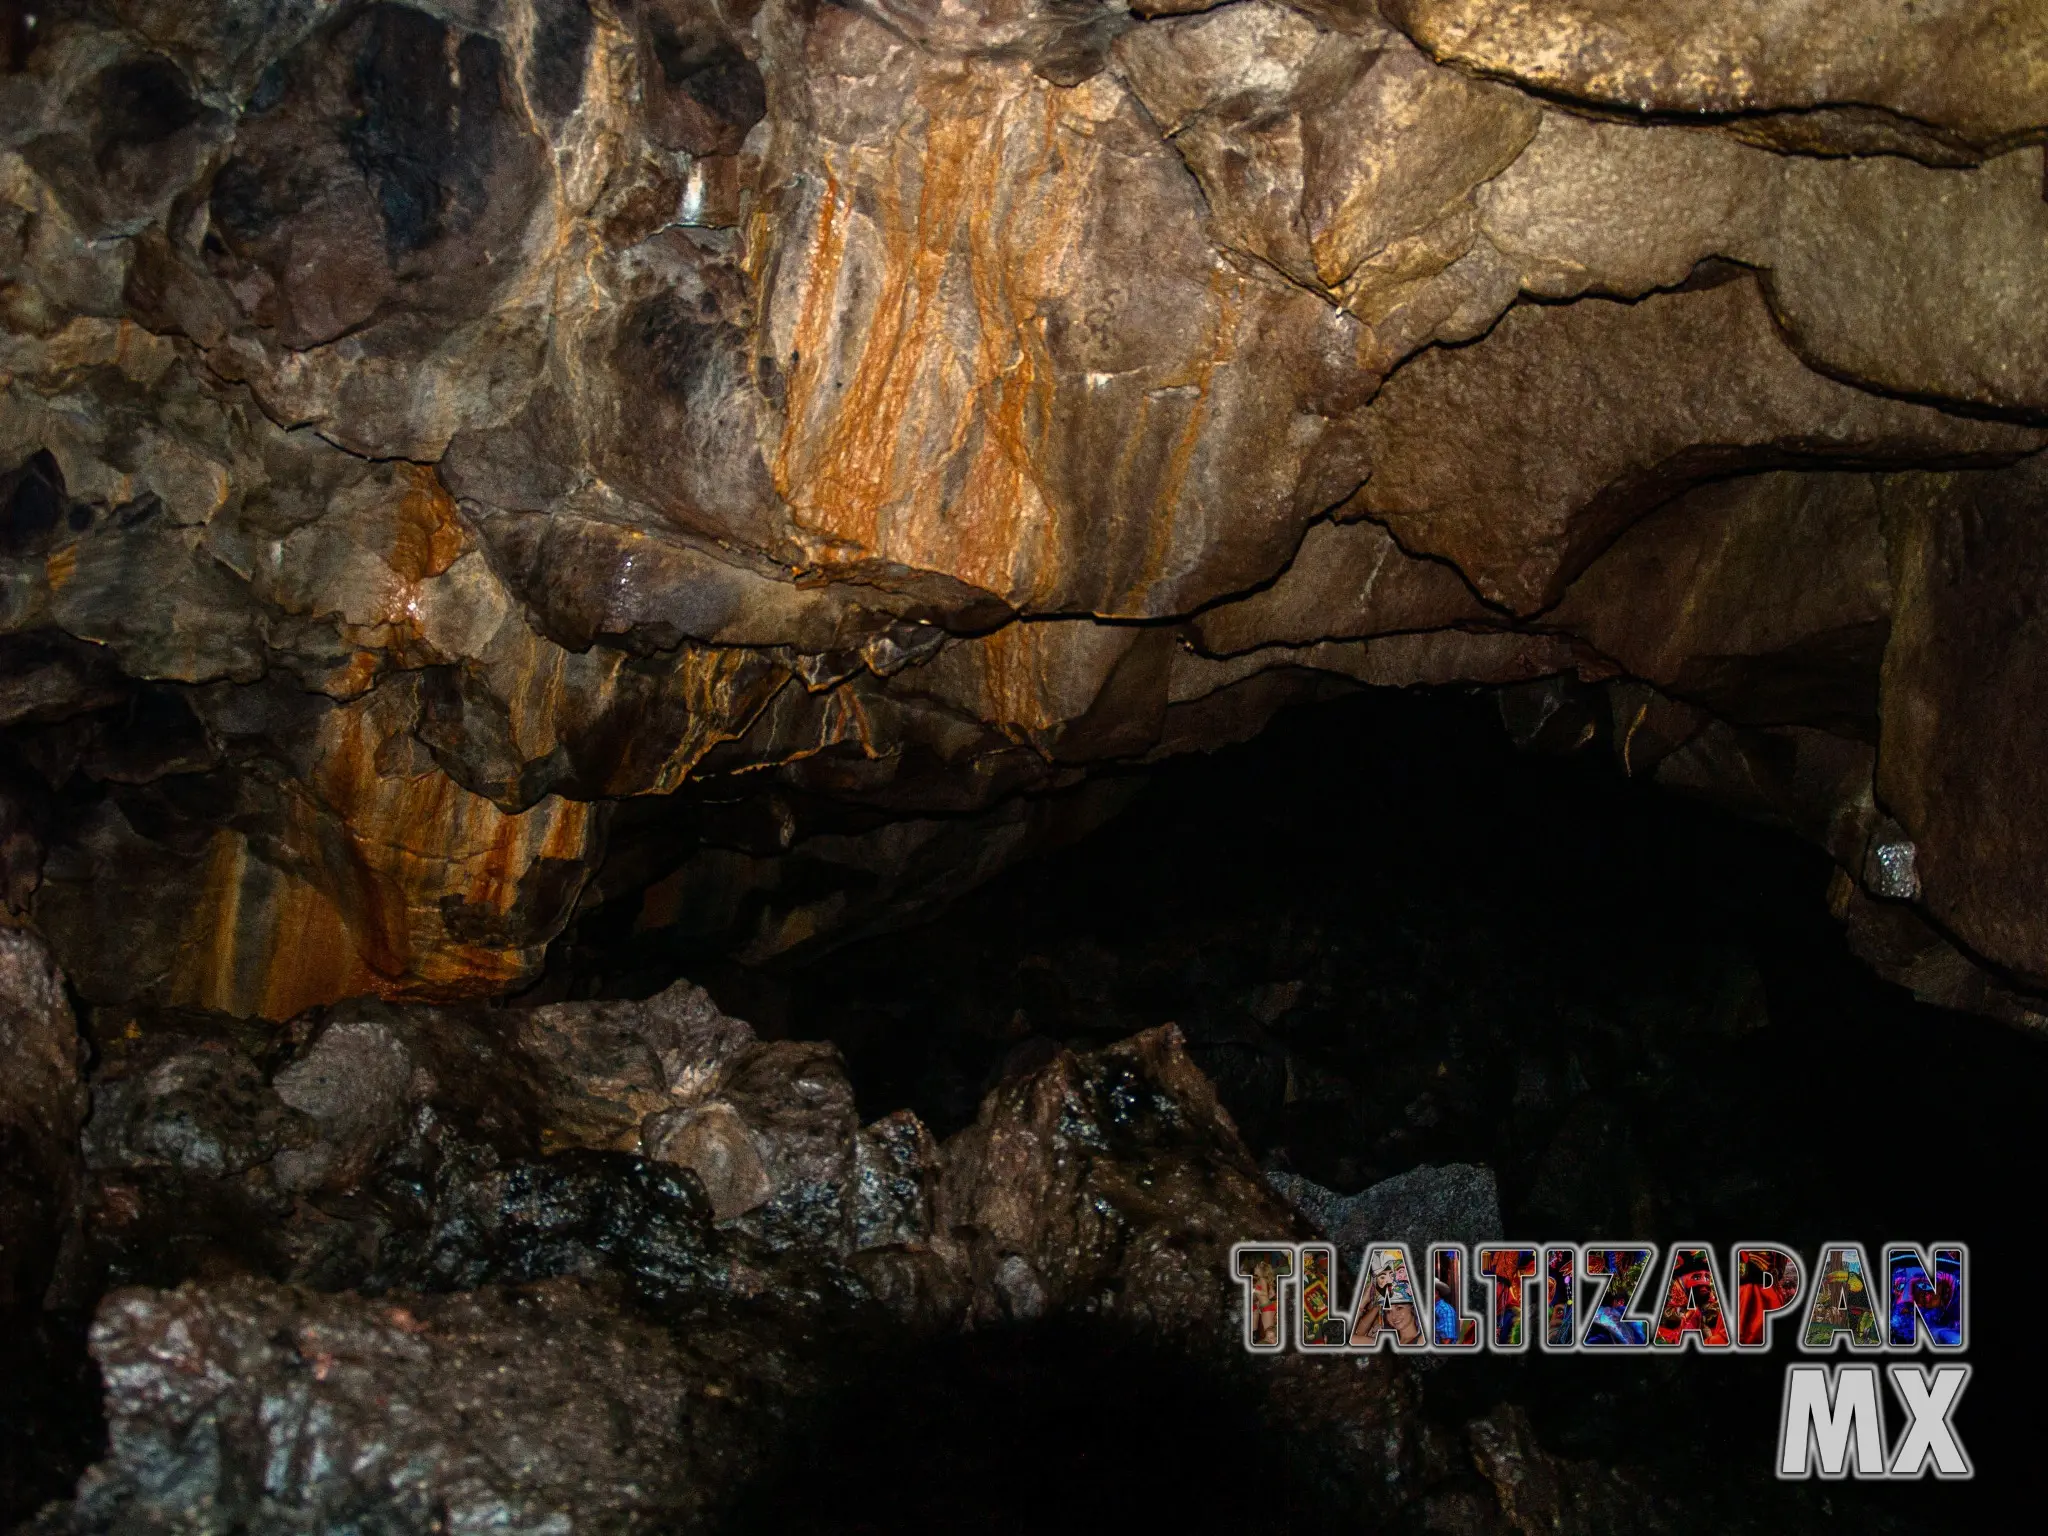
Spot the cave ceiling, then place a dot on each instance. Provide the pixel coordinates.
(442, 440)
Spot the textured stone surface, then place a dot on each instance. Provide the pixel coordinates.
(1347, 581)
(258, 1407)
(41, 1105)
(475, 476)
(1766, 598)
(1975, 69)
(1521, 459)
(554, 1340)
(1455, 1203)
(1117, 1173)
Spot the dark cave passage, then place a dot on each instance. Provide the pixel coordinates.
(1392, 941)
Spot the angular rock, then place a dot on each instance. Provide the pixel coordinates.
(1347, 160)
(1114, 1180)
(1862, 295)
(712, 1141)
(896, 1171)
(1071, 432)
(1430, 658)
(270, 1409)
(608, 1066)
(1347, 581)
(354, 1084)
(1766, 598)
(796, 1104)
(1454, 1203)
(453, 430)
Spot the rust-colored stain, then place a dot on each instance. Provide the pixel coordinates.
(916, 442)
(61, 567)
(356, 900)
(931, 411)
(429, 533)
(1018, 692)
(407, 885)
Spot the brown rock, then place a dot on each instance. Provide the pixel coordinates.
(1973, 69)
(897, 1167)
(455, 431)
(1621, 208)
(1957, 763)
(1765, 597)
(1345, 160)
(1903, 947)
(1916, 281)
(353, 1084)
(1065, 397)
(1116, 1175)
(608, 1066)
(796, 1104)
(1347, 581)
(42, 1104)
(1811, 782)
(1595, 412)
(1431, 658)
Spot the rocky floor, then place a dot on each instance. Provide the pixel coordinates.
(607, 1266)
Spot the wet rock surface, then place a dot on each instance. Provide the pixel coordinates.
(42, 1101)
(476, 481)
(246, 1405)
(388, 1268)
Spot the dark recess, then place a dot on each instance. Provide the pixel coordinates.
(1636, 1009)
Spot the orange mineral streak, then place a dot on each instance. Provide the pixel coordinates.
(61, 567)
(1018, 691)
(428, 536)
(726, 690)
(400, 886)
(398, 548)
(915, 440)
(301, 955)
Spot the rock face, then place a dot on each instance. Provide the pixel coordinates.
(480, 474)
(486, 1410)
(41, 1104)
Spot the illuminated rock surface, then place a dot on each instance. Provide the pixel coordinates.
(450, 447)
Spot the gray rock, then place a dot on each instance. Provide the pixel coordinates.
(353, 1084)
(205, 1113)
(712, 1141)
(270, 1410)
(1450, 1203)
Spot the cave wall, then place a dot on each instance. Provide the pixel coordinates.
(476, 462)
